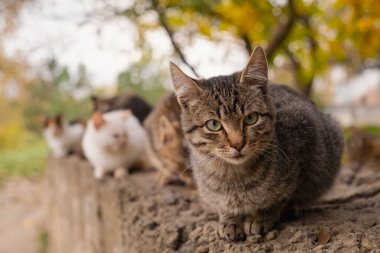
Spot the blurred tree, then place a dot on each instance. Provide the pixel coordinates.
(309, 35)
(147, 78)
(55, 92)
(14, 74)
(13, 70)
(9, 12)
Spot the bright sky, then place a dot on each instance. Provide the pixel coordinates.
(69, 31)
(63, 29)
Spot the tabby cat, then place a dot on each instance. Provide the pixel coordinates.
(165, 144)
(255, 149)
(139, 107)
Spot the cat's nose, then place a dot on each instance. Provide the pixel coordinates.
(235, 139)
(122, 142)
(237, 145)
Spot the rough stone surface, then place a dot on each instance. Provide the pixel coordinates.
(135, 214)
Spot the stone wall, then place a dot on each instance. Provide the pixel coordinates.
(134, 214)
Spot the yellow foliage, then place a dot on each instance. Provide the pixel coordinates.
(243, 15)
(365, 24)
(203, 26)
(11, 125)
(11, 134)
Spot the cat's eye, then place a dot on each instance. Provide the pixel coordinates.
(251, 118)
(213, 125)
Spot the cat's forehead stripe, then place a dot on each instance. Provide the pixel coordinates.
(225, 93)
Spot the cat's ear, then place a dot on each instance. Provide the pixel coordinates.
(256, 71)
(98, 120)
(186, 88)
(166, 129)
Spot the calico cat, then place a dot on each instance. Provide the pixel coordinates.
(113, 141)
(136, 104)
(63, 138)
(255, 149)
(165, 144)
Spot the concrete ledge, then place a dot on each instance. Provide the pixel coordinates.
(135, 214)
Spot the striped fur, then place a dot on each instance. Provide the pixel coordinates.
(289, 157)
(165, 143)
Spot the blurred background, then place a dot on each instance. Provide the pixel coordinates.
(55, 53)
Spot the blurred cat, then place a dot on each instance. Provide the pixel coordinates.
(63, 138)
(136, 104)
(166, 147)
(362, 149)
(113, 141)
(362, 146)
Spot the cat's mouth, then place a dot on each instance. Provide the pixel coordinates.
(236, 158)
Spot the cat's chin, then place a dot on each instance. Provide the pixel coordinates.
(235, 160)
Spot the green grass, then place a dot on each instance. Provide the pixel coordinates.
(372, 129)
(369, 129)
(26, 160)
(43, 240)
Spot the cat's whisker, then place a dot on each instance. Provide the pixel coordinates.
(279, 149)
(266, 155)
(273, 155)
(198, 161)
(210, 155)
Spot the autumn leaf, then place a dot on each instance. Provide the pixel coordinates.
(323, 237)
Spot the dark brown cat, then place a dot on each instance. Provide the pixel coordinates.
(165, 143)
(138, 106)
(255, 149)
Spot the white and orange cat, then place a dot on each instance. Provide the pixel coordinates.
(62, 138)
(113, 141)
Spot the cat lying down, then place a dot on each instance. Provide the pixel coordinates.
(114, 141)
(165, 146)
(256, 150)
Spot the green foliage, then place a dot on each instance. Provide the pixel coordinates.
(27, 160)
(372, 129)
(55, 93)
(315, 33)
(369, 129)
(146, 78)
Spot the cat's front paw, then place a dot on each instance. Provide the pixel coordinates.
(230, 231)
(120, 172)
(165, 178)
(257, 226)
(99, 173)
